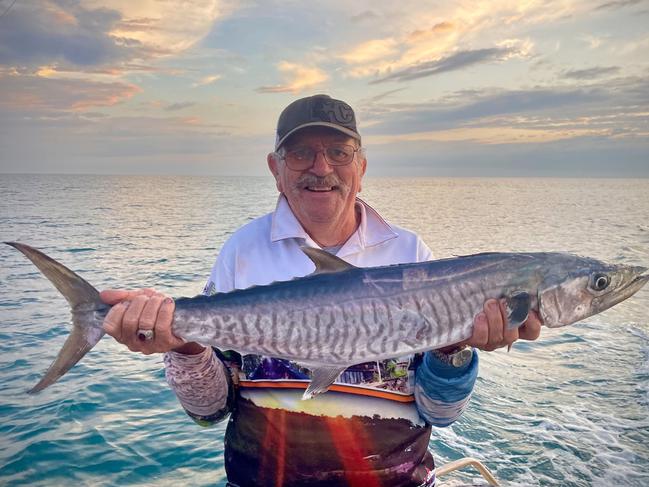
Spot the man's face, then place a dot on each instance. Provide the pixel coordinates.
(322, 193)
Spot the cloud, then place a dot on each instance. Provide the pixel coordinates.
(300, 78)
(592, 41)
(637, 46)
(444, 114)
(138, 24)
(616, 108)
(376, 98)
(495, 135)
(453, 62)
(370, 51)
(38, 94)
(618, 4)
(98, 32)
(439, 28)
(586, 156)
(207, 80)
(364, 16)
(179, 106)
(591, 73)
(75, 143)
(79, 36)
(417, 37)
(166, 26)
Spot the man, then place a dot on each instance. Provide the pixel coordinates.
(372, 428)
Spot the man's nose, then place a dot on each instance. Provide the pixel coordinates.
(321, 166)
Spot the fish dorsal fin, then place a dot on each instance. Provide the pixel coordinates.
(321, 378)
(325, 262)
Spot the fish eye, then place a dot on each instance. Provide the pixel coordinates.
(600, 282)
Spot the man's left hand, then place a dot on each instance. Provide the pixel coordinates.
(490, 328)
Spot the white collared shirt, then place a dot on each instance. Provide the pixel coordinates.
(268, 249)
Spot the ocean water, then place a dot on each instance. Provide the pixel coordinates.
(571, 409)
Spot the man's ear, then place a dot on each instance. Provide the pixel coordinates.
(362, 169)
(271, 159)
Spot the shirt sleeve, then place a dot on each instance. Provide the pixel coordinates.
(442, 392)
(202, 382)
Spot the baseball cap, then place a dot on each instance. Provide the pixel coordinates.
(316, 111)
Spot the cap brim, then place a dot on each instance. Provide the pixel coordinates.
(343, 130)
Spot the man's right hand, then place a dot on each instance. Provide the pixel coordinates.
(143, 309)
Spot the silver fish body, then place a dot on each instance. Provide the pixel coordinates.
(355, 315)
(343, 315)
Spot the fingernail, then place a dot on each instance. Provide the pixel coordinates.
(481, 316)
(168, 301)
(493, 306)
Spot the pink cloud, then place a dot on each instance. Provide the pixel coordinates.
(33, 93)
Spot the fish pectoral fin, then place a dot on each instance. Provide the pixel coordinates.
(325, 262)
(322, 377)
(518, 308)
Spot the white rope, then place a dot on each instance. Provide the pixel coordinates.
(463, 462)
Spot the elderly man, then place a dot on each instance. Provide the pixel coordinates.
(372, 428)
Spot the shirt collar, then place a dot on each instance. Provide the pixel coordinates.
(373, 229)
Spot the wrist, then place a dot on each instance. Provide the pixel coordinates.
(454, 356)
(449, 365)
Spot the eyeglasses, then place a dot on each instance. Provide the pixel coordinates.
(303, 158)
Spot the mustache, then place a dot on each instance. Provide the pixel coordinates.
(312, 180)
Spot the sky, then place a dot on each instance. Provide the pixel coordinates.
(440, 88)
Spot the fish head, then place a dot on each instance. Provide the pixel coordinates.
(590, 287)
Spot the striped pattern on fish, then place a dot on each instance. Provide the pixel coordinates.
(342, 315)
(357, 315)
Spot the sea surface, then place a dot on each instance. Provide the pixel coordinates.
(571, 409)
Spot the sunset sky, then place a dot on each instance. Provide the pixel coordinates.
(441, 88)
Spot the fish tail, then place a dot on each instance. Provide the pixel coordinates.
(87, 313)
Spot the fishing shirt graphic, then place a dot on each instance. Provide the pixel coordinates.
(364, 430)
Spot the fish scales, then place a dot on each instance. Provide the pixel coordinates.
(283, 327)
(382, 337)
(452, 320)
(343, 315)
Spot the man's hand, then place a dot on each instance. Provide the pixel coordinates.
(142, 309)
(490, 328)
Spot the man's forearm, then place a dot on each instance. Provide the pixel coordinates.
(200, 381)
(442, 391)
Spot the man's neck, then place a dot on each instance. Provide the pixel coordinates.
(329, 234)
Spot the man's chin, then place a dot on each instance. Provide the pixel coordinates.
(320, 205)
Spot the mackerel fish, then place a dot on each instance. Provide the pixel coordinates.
(343, 315)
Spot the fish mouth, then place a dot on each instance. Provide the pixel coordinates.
(619, 295)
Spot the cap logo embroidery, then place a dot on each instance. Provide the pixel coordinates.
(333, 111)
